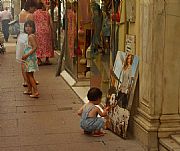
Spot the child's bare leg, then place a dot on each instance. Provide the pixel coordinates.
(29, 91)
(23, 73)
(33, 83)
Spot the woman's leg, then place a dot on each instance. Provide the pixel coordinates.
(47, 62)
(39, 61)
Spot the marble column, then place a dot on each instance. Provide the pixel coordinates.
(158, 112)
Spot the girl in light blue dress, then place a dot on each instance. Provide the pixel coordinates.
(30, 59)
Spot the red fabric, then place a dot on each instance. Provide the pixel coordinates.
(116, 17)
(43, 34)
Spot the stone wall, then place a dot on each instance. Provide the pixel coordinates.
(158, 112)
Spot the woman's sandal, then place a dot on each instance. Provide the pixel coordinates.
(27, 92)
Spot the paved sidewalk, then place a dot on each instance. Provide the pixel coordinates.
(49, 123)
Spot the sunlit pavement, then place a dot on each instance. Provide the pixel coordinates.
(49, 123)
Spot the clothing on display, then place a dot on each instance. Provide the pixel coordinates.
(71, 16)
(116, 5)
(97, 25)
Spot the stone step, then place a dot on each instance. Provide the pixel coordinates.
(168, 144)
(176, 138)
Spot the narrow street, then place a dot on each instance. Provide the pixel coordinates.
(49, 123)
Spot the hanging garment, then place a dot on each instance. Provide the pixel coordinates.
(72, 31)
(97, 18)
(116, 5)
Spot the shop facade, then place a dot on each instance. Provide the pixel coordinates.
(99, 36)
(145, 29)
(94, 35)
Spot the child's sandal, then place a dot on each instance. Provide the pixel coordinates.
(35, 95)
(98, 134)
(27, 92)
(24, 85)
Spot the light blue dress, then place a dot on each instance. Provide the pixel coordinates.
(31, 62)
(90, 124)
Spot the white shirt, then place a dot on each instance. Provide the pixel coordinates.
(5, 15)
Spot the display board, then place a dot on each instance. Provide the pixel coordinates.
(121, 92)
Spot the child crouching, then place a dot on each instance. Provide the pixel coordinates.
(88, 112)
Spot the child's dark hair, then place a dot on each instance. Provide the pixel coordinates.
(31, 24)
(94, 94)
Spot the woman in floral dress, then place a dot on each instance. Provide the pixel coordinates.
(44, 34)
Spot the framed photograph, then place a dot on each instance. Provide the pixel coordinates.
(121, 92)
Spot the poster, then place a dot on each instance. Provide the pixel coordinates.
(121, 92)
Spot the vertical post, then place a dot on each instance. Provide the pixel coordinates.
(64, 47)
(52, 9)
(59, 25)
(77, 22)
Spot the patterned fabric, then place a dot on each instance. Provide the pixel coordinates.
(90, 124)
(71, 16)
(43, 34)
(31, 62)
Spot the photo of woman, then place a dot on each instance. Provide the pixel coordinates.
(126, 80)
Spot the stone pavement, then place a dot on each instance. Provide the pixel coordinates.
(49, 123)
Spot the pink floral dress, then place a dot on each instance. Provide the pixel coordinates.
(43, 34)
